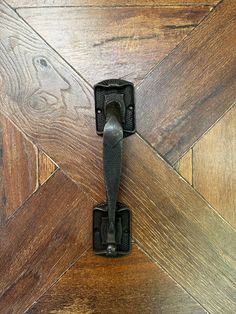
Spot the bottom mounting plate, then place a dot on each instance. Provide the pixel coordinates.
(123, 232)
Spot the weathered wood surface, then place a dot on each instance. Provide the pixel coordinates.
(113, 3)
(43, 239)
(114, 42)
(178, 229)
(192, 87)
(139, 286)
(172, 223)
(18, 169)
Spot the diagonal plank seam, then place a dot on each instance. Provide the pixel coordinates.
(203, 134)
(37, 186)
(172, 104)
(58, 278)
(140, 246)
(185, 38)
(146, 76)
(136, 139)
(35, 260)
(184, 180)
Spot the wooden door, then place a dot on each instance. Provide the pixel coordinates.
(179, 168)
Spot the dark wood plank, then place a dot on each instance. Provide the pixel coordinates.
(45, 237)
(42, 3)
(136, 39)
(178, 229)
(133, 284)
(192, 87)
(171, 221)
(214, 166)
(18, 169)
(46, 167)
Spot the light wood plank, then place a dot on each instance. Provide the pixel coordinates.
(42, 241)
(46, 167)
(185, 166)
(173, 224)
(42, 3)
(214, 166)
(135, 40)
(192, 88)
(178, 229)
(18, 169)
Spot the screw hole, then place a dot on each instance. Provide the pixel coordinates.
(43, 62)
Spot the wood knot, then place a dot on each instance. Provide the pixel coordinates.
(43, 62)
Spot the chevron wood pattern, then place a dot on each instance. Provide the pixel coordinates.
(187, 262)
(18, 169)
(77, 292)
(21, 169)
(185, 166)
(209, 166)
(46, 236)
(46, 167)
(175, 119)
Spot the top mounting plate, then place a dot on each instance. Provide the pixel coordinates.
(120, 90)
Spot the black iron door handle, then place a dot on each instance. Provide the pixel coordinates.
(114, 102)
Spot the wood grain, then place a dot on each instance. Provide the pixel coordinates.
(42, 3)
(172, 223)
(214, 166)
(135, 40)
(45, 237)
(178, 229)
(46, 167)
(135, 281)
(18, 169)
(192, 87)
(185, 166)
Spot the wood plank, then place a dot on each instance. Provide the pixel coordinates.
(214, 166)
(185, 166)
(178, 229)
(42, 241)
(18, 169)
(135, 281)
(190, 89)
(84, 39)
(46, 167)
(171, 221)
(47, 3)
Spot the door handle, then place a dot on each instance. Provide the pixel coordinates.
(115, 119)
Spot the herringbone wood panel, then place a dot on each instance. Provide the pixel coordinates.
(22, 169)
(175, 110)
(173, 224)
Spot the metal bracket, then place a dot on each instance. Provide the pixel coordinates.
(120, 91)
(115, 119)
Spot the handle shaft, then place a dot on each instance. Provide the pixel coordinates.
(112, 162)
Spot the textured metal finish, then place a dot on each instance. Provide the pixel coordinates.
(114, 102)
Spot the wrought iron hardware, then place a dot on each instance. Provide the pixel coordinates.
(115, 119)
